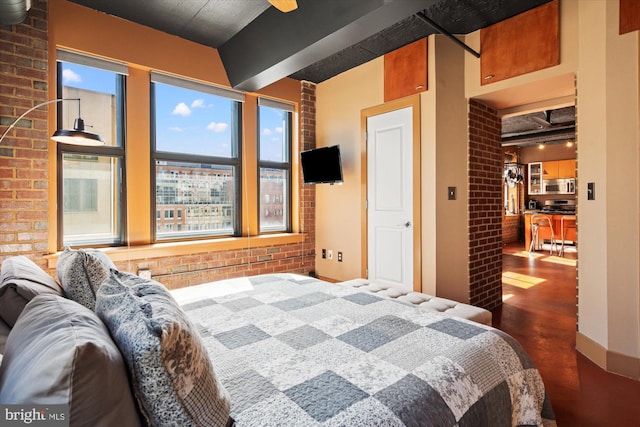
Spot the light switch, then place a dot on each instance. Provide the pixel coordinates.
(591, 191)
(451, 193)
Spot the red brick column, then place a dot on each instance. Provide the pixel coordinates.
(308, 192)
(485, 206)
(23, 152)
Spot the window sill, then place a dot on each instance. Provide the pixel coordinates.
(168, 249)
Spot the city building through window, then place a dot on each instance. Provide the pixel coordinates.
(90, 191)
(197, 161)
(274, 162)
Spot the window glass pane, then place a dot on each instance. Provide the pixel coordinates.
(191, 122)
(273, 199)
(91, 198)
(98, 91)
(203, 195)
(274, 144)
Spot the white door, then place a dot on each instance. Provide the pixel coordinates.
(390, 197)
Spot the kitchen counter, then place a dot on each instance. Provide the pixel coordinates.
(556, 218)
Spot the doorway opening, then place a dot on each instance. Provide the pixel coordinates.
(540, 149)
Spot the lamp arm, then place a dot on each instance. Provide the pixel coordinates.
(51, 101)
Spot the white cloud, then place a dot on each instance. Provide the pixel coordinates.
(198, 103)
(266, 132)
(70, 76)
(217, 127)
(182, 110)
(279, 130)
(176, 129)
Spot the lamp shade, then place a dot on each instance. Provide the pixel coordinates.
(77, 136)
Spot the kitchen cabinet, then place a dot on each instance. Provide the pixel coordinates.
(550, 170)
(405, 70)
(545, 171)
(556, 220)
(535, 178)
(567, 168)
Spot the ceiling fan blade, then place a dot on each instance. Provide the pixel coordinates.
(284, 5)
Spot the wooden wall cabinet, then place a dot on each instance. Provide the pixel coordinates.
(629, 16)
(539, 172)
(559, 169)
(567, 168)
(405, 70)
(522, 44)
(550, 170)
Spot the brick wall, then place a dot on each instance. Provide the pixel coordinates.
(24, 177)
(188, 270)
(308, 141)
(510, 229)
(23, 152)
(485, 206)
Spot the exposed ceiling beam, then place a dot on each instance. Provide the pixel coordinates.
(563, 134)
(278, 44)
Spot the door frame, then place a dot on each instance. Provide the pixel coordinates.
(409, 101)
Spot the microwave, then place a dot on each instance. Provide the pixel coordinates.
(559, 186)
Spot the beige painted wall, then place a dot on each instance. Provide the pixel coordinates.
(444, 164)
(608, 156)
(451, 163)
(339, 102)
(605, 66)
(548, 87)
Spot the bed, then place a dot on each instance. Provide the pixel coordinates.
(296, 351)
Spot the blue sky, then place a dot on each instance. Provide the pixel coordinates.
(188, 121)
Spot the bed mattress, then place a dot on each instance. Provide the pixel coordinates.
(296, 351)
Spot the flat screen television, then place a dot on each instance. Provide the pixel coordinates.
(321, 165)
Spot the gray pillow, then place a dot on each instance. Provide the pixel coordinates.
(59, 352)
(4, 334)
(21, 280)
(172, 375)
(81, 272)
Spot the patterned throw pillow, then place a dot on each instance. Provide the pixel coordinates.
(172, 375)
(81, 272)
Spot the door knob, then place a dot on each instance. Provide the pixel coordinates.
(407, 224)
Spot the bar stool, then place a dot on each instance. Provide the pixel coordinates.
(541, 227)
(568, 225)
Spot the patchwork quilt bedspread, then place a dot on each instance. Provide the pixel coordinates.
(296, 351)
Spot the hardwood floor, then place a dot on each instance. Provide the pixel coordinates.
(539, 310)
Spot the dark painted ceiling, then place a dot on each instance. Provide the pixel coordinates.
(315, 42)
(551, 126)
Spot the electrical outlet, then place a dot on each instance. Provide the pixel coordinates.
(330, 254)
(339, 256)
(145, 274)
(324, 254)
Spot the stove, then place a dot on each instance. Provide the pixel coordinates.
(559, 206)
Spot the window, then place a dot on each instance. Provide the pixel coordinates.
(81, 194)
(196, 154)
(274, 163)
(90, 179)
